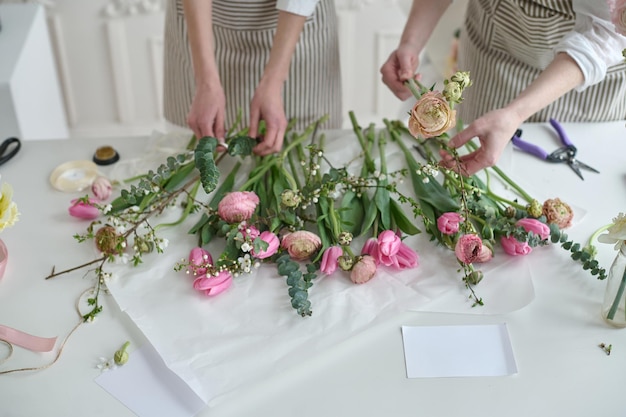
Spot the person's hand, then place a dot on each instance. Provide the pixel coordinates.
(494, 131)
(267, 105)
(399, 67)
(206, 115)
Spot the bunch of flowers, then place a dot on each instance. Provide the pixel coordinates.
(464, 213)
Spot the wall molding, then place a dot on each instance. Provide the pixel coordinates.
(121, 69)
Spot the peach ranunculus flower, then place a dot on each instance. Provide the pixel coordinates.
(558, 212)
(448, 223)
(237, 206)
(617, 8)
(301, 244)
(363, 270)
(102, 188)
(431, 116)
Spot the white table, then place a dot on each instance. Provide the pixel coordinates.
(562, 371)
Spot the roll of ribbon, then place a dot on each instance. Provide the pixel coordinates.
(74, 176)
(27, 341)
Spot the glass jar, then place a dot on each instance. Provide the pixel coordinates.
(614, 305)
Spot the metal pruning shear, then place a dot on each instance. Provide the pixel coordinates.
(566, 153)
(5, 153)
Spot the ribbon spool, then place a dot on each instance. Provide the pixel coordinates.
(74, 176)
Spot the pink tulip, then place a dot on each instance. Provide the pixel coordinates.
(83, 210)
(272, 245)
(330, 259)
(250, 232)
(371, 248)
(468, 248)
(535, 226)
(237, 206)
(514, 247)
(213, 285)
(407, 257)
(388, 247)
(197, 257)
(101, 188)
(448, 223)
(301, 245)
(363, 270)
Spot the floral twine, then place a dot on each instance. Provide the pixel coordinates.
(40, 368)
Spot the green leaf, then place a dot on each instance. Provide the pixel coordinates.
(401, 220)
(225, 187)
(370, 214)
(351, 213)
(241, 145)
(204, 156)
(381, 199)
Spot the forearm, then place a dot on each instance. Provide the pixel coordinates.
(560, 77)
(422, 20)
(199, 18)
(288, 31)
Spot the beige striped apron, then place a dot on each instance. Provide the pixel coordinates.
(506, 43)
(243, 37)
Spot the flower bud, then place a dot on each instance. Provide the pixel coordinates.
(121, 356)
(474, 277)
(345, 238)
(453, 92)
(101, 188)
(290, 198)
(535, 209)
(107, 240)
(462, 78)
(363, 270)
(510, 212)
(345, 262)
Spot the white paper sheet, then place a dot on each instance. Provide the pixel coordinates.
(458, 351)
(149, 388)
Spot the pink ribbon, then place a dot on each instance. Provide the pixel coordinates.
(4, 257)
(27, 341)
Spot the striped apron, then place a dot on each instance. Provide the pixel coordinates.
(243, 34)
(506, 43)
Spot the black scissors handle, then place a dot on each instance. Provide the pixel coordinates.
(6, 156)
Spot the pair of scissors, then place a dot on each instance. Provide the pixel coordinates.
(564, 154)
(5, 153)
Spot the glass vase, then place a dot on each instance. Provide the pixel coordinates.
(614, 305)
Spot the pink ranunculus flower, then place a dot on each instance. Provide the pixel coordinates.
(330, 260)
(83, 210)
(617, 8)
(213, 285)
(301, 245)
(468, 248)
(197, 257)
(448, 223)
(514, 247)
(101, 188)
(272, 245)
(250, 232)
(363, 270)
(533, 225)
(237, 206)
(485, 255)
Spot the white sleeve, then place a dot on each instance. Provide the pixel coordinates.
(593, 43)
(299, 7)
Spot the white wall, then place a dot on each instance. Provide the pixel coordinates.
(109, 59)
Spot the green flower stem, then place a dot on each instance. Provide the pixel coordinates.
(620, 293)
(595, 234)
(271, 161)
(293, 166)
(191, 197)
(416, 88)
(369, 162)
(332, 215)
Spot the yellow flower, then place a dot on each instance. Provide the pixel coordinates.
(8, 208)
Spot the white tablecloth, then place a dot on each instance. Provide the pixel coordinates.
(555, 337)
